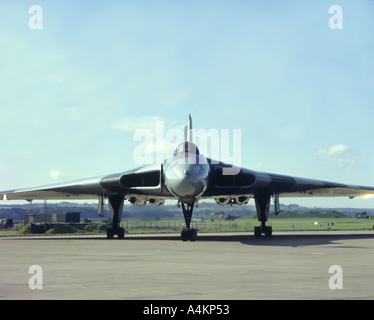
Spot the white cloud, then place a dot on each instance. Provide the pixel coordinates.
(338, 149)
(339, 153)
(55, 174)
(345, 163)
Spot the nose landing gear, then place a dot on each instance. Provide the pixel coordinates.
(187, 233)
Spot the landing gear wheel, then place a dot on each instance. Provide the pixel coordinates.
(121, 233)
(257, 232)
(193, 234)
(189, 234)
(185, 234)
(268, 231)
(109, 233)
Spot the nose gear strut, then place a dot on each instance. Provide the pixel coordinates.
(187, 233)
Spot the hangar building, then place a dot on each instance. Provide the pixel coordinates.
(52, 217)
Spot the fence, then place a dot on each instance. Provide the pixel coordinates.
(176, 226)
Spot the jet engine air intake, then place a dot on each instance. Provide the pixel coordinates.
(240, 180)
(143, 179)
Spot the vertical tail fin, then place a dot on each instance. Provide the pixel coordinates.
(188, 130)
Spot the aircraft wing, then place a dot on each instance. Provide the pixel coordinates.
(249, 182)
(145, 181)
(78, 189)
(318, 188)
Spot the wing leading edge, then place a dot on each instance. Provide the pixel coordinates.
(146, 180)
(301, 187)
(250, 183)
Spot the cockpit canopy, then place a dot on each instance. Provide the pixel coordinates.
(186, 147)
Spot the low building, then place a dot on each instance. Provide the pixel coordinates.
(52, 217)
(6, 223)
(362, 215)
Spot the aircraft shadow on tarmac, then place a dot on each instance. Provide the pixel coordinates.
(297, 240)
(301, 240)
(279, 240)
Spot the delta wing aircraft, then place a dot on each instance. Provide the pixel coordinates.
(188, 177)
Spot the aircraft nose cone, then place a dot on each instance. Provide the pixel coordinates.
(187, 187)
(186, 181)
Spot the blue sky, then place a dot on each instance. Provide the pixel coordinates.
(73, 93)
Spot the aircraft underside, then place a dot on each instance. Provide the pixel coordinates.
(116, 204)
(187, 233)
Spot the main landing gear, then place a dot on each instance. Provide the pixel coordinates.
(262, 208)
(187, 233)
(115, 208)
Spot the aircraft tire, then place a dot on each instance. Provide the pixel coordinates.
(109, 233)
(257, 231)
(193, 234)
(189, 234)
(268, 231)
(121, 233)
(184, 234)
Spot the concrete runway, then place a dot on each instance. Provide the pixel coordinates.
(217, 266)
